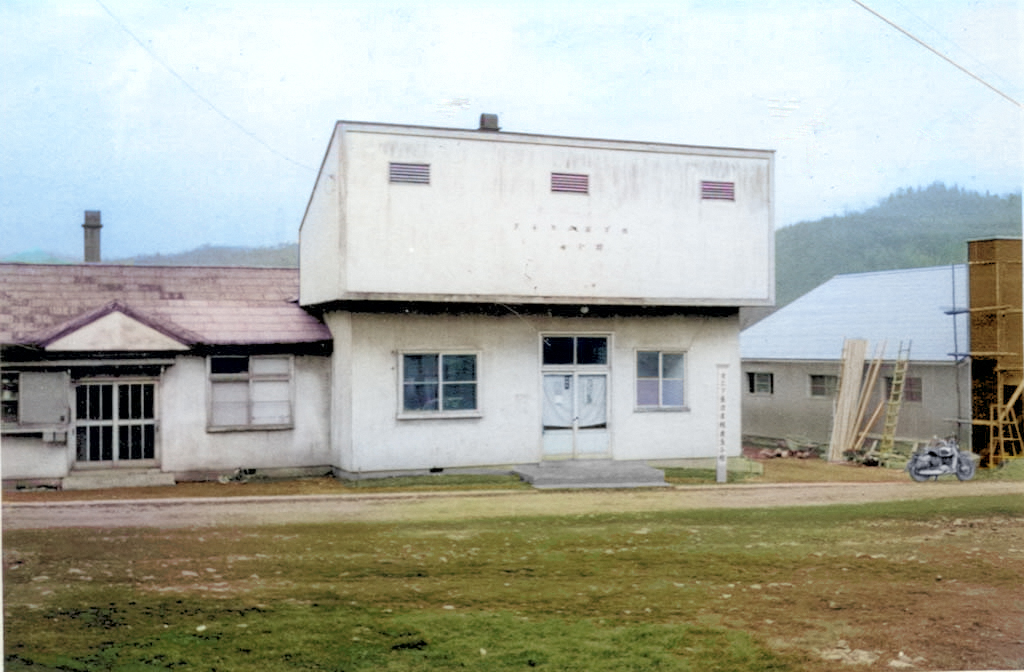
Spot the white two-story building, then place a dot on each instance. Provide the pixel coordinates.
(500, 298)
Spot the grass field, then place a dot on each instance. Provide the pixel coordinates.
(926, 585)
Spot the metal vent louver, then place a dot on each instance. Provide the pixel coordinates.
(570, 182)
(415, 173)
(718, 191)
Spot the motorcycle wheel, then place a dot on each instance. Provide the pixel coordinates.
(965, 467)
(915, 474)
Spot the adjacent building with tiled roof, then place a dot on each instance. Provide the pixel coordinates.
(197, 305)
(791, 359)
(158, 373)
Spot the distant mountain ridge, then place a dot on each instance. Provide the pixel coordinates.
(911, 228)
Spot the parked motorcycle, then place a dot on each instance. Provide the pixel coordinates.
(941, 456)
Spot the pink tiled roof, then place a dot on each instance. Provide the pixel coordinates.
(195, 304)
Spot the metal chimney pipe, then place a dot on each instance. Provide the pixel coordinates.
(92, 228)
(489, 122)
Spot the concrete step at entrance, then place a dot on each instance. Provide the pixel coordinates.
(116, 478)
(591, 474)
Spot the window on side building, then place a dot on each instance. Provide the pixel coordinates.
(824, 386)
(437, 384)
(911, 388)
(759, 382)
(251, 392)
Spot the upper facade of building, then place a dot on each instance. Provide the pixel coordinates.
(409, 213)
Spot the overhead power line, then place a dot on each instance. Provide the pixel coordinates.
(937, 53)
(196, 93)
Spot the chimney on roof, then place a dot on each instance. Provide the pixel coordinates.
(489, 122)
(92, 228)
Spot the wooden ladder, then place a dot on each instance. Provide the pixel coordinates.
(892, 408)
(1005, 442)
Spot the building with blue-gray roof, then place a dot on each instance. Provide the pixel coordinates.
(791, 360)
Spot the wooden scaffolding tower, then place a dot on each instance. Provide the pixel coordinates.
(997, 351)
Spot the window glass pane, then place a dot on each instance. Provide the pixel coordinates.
(82, 404)
(149, 439)
(81, 443)
(230, 405)
(147, 401)
(419, 396)
(672, 365)
(271, 403)
(647, 392)
(9, 397)
(107, 438)
(222, 365)
(558, 350)
(761, 383)
(269, 366)
(124, 442)
(106, 403)
(672, 393)
(270, 390)
(459, 367)
(647, 365)
(419, 368)
(271, 413)
(591, 350)
(460, 396)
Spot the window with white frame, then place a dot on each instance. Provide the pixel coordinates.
(659, 380)
(759, 382)
(824, 385)
(250, 392)
(439, 383)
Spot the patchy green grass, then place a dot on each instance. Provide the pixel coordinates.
(437, 482)
(684, 476)
(780, 589)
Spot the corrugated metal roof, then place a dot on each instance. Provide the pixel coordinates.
(200, 304)
(893, 306)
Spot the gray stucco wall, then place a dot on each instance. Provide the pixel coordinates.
(791, 412)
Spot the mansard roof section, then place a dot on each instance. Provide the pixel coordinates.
(41, 304)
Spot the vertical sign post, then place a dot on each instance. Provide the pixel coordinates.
(721, 463)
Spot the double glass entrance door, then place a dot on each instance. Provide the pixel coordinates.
(575, 397)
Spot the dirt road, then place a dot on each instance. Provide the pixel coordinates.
(236, 511)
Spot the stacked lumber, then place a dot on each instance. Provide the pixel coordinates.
(848, 427)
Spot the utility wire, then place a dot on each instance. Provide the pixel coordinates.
(936, 52)
(196, 93)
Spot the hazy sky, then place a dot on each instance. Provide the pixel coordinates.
(190, 123)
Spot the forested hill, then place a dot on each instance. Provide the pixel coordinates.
(909, 229)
